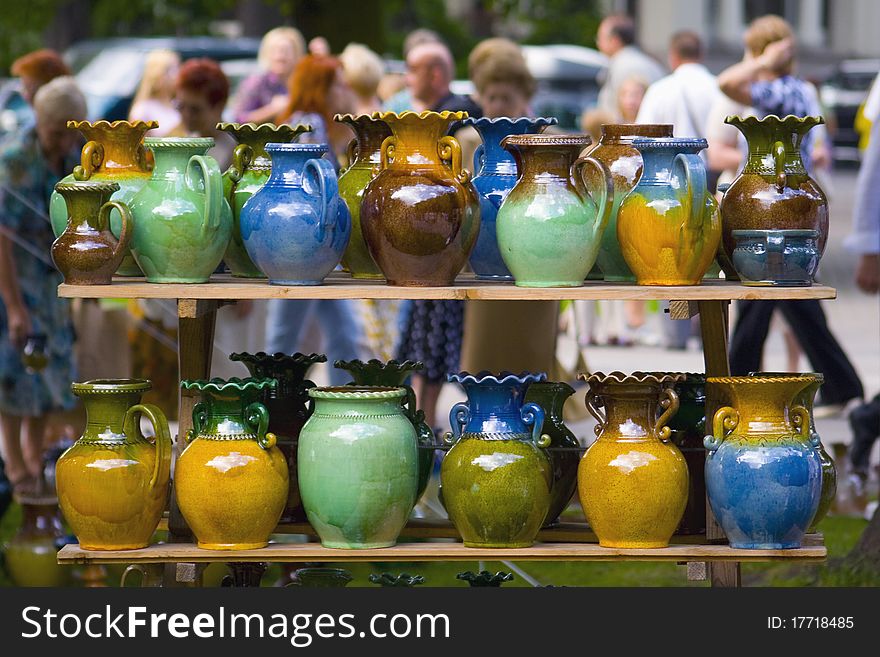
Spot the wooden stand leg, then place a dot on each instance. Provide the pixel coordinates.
(714, 329)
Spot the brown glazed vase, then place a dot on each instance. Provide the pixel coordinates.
(420, 215)
(364, 158)
(87, 253)
(774, 190)
(615, 150)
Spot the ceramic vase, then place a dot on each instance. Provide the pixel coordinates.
(420, 215)
(317, 577)
(763, 472)
(632, 481)
(113, 483)
(496, 477)
(394, 373)
(549, 226)
(31, 553)
(250, 169)
(780, 258)
(806, 398)
(87, 252)
(358, 466)
(289, 407)
(296, 227)
(182, 223)
(114, 152)
(364, 157)
(616, 151)
(564, 450)
(496, 176)
(231, 481)
(774, 190)
(668, 226)
(688, 428)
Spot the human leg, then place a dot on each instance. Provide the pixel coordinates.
(864, 420)
(285, 320)
(749, 334)
(16, 470)
(34, 430)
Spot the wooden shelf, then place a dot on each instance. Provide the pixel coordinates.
(342, 286)
(436, 551)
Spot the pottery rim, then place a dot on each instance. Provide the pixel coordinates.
(356, 393)
(110, 386)
(100, 186)
(501, 378)
(279, 357)
(179, 142)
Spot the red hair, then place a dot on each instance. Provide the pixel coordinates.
(309, 85)
(43, 65)
(204, 76)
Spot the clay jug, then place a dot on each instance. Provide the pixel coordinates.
(688, 428)
(30, 555)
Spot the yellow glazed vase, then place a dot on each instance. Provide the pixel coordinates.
(632, 481)
(231, 480)
(112, 483)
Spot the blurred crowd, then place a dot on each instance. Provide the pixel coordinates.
(304, 82)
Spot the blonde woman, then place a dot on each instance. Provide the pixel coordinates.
(363, 70)
(262, 96)
(154, 100)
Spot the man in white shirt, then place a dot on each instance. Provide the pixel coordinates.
(616, 39)
(686, 96)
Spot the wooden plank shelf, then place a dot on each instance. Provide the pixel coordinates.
(342, 286)
(436, 551)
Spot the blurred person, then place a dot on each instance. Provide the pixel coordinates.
(592, 120)
(36, 69)
(154, 99)
(765, 81)
(201, 91)
(429, 72)
(389, 87)
(363, 70)
(630, 95)
(31, 163)
(261, 96)
(616, 39)
(401, 100)
(319, 47)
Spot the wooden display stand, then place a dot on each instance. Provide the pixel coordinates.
(197, 307)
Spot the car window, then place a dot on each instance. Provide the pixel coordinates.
(112, 72)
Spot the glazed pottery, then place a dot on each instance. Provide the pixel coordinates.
(31, 553)
(633, 482)
(616, 151)
(296, 227)
(364, 158)
(317, 577)
(289, 407)
(782, 258)
(152, 575)
(358, 466)
(688, 428)
(774, 190)
(668, 226)
(496, 479)
(231, 480)
(114, 152)
(182, 223)
(485, 578)
(248, 172)
(496, 176)
(564, 450)
(763, 472)
(549, 227)
(420, 215)
(87, 253)
(806, 399)
(113, 482)
(393, 374)
(403, 580)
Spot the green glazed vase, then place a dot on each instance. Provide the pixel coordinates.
(31, 553)
(549, 226)
(318, 577)
(485, 578)
(364, 156)
(403, 580)
(114, 152)
(564, 451)
(248, 172)
(182, 223)
(358, 466)
(231, 480)
(393, 373)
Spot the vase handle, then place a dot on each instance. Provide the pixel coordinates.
(479, 157)
(242, 157)
(124, 232)
(199, 419)
(212, 183)
(450, 151)
(779, 165)
(257, 417)
(606, 189)
(594, 403)
(162, 440)
(533, 414)
(386, 153)
(351, 152)
(328, 193)
(459, 415)
(670, 405)
(724, 422)
(92, 157)
(800, 420)
(697, 187)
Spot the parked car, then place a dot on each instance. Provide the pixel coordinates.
(842, 94)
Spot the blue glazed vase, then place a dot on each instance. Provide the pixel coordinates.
(496, 176)
(763, 472)
(296, 227)
(496, 478)
(783, 258)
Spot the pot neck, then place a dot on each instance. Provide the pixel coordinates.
(172, 160)
(105, 416)
(417, 141)
(288, 165)
(353, 406)
(622, 134)
(496, 159)
(84, 205)
(551, 397)
(226, 414)
(546, 164)
(369, 135)
(764, 405)
(490, 399)
(122, 144)
(630, 409)
(765, 137)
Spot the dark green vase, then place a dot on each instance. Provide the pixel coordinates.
(485, 578)
(321, 578)
(688, 427)
(564, 451)
(393, 373)
(403, 580)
